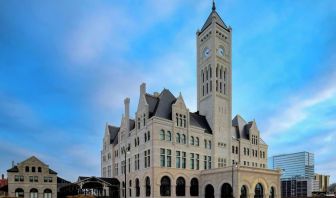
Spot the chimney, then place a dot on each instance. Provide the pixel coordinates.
(127, 102)
(2, 176)
(13, 164)
(142, 89)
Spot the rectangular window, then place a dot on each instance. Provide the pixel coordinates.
(168, 158)
(31, 178)
(109, 173)
(21, 178)
(233, 149)
(209, 162)
(192, 161)
(148, 158)
(205, 162)
(178, 159)
(115, 169)
(184, 160)
(197, 161)
(17, 178)
(162, 157)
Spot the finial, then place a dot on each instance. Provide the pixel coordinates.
(213, 5)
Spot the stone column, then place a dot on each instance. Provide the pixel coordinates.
(173, 190)
(187, 191)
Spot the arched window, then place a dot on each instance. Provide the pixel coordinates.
(148, 187)
(180, 186)
(243, 192)
(226, 190)
(162, 134)
(47, 193)
(137, 187)
(183, 139)
(27, 168)
(148, 135)
(19, 192)
(197, 141)
(165, 186)
(145, 137)
(209, 191)
(168, 138)
(194, 187)
(178, 138)
(33, 193)
(272, 192)
(210, 71)
(184, 121)
(192, 141)
(39, 169)
(209, 144)
(258, 191)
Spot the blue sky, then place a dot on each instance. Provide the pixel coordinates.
(66, 66)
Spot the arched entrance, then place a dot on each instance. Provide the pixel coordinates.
(258, 191)
(226, 191)
(165, 186)
(194, 187)
(180, 186)
(209, 191)
(243, 192)
(272, 192)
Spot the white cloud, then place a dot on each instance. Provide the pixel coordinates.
(297, 108)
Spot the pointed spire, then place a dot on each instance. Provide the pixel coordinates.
(213, 5)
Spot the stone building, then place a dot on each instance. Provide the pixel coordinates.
(32, 178)
(166, 150)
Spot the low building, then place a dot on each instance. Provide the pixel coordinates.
(3, 186)
(32, 178)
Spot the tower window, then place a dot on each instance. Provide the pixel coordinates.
(207, 88)
(202, 76)
(224, 88)
(203, 89)
(217, 71)
(210, 85)
(210, 72)
(207, 74)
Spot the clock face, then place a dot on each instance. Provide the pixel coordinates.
(206, 52)
(220, 51)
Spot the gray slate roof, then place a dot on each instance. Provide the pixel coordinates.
(161, 106)
(208, 22)
(242, 129)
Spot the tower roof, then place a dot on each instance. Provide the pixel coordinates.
(214, 17)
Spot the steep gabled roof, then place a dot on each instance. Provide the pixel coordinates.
(200, 121)
(214, 15)
(113, 133)
(13, 170)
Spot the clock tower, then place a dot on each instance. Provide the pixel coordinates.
(214, 77)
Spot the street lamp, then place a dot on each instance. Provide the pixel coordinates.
(126, 151)
(235, 164)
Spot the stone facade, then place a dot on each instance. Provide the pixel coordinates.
(175, 152)
(32, 178)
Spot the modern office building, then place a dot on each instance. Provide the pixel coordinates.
(297, 179)
(32, 178)
(293, 165)
(166, 150)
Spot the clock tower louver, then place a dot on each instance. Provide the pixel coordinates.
(214, 81)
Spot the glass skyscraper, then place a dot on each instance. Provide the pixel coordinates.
(294, 165)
